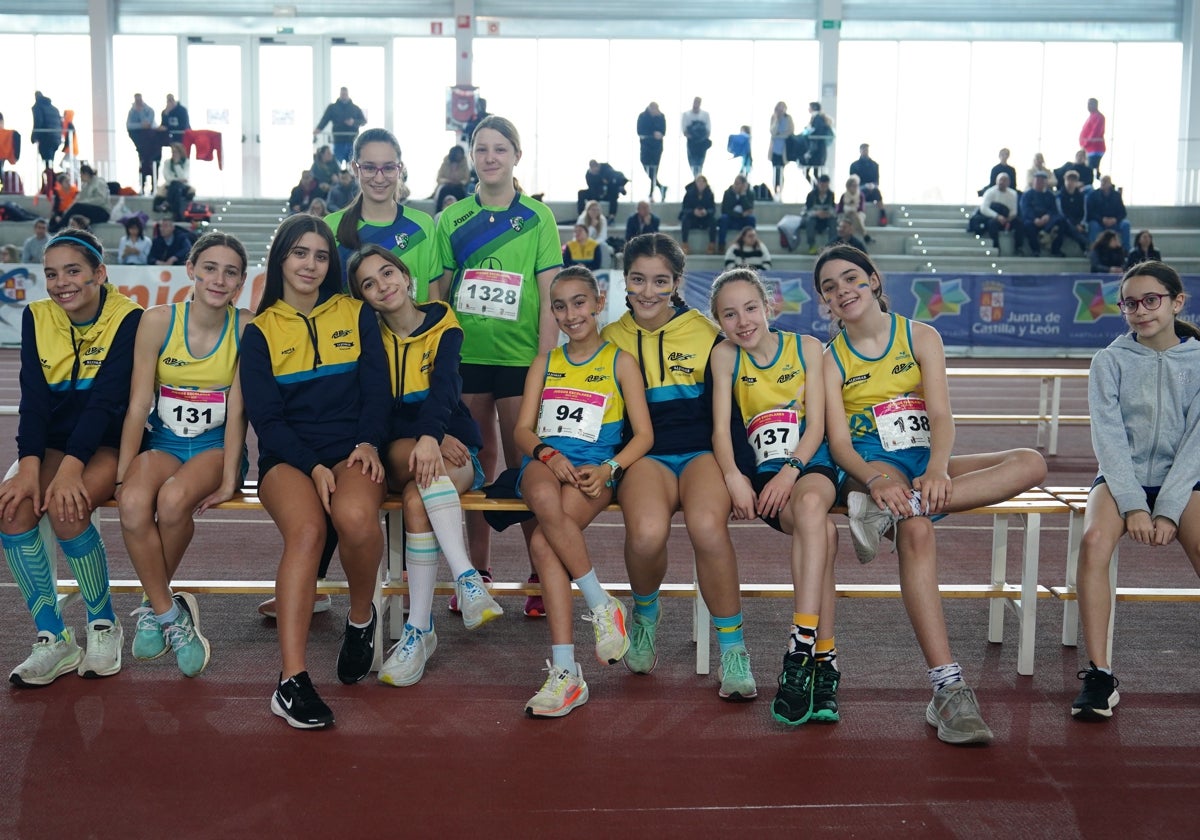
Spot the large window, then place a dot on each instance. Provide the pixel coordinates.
(145, 64)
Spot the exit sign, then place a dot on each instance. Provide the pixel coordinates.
(831, 24)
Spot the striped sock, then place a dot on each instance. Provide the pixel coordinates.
(826, 651)
(803, 635)
(31, 569)
(444, 510)
(421, 560)
(89, 562)
(944, 675)
(647, 606)
(729, 631)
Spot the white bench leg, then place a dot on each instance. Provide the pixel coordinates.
(700, 624)
(1070, 628)
(1055, 408)
(395, 572)
(999, 575)
(1029, 573)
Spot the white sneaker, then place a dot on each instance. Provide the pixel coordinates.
(612, 636)
(476, 604)
(560, 693)
(103, 657)
(868, 523)
(51, 658)
(405, 664)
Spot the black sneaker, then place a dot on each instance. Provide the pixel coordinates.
(358, 651)
(825, 689)
(793, 703)
(1098, 696)
(296, 701)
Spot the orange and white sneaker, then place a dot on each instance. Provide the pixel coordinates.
(561, 693)
(612, 635)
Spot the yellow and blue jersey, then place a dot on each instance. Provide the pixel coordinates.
(674, 364)
(777, 385)
(868, 382)
(315, 386)
(581, 401)
(426, 385)
(75, 377)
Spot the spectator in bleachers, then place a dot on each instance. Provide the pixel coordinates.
(47, 128)
(344, 119)
(1106, 210)
(603, 184)
(1107, 255)
(737, 209)
(867, 171)
(820, 134)
(1143, 250)
(748, 250)
(852, 206)
(325, 170)
(594, 220)
(171, 244)
(174, 193)
(782, 129)
(582, 249)
(344, 190)
(699, 211)
(10, 254)
(1080, 167)
(34, 246)
(651, 127)
(998, 209)
(1039, 214)
(134, 247)
(303, 193)
(447, 200)
(1091, 137)
(78, 221)
(453, 176)
(1001, 168)
(643, 221)
(738, 145)
(845, 235)
(820, 209)
(1072, 207)
(1039, 165)
(140, 124)
(697, 128)
(175, 119)
(317, 207)
(90, 199)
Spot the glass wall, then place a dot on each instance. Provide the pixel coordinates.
(936, 113)
(145, 64)
(422, 69)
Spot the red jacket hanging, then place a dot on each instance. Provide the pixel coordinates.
(206, 142)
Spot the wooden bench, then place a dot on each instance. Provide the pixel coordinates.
(1049, 416)
(1021, 597)
(1076, 499)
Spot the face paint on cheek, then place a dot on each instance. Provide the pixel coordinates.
(864, 285)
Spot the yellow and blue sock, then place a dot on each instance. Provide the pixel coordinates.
(88, 561)
(729, 631)
(647, 606)
(31, 569)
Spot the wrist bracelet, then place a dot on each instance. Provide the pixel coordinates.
(794, 462)
(537, 450)
(876, 478)
(367, 443)
(547, 456)
(118, 483)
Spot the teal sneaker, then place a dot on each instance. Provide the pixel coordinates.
(642, 655)
(793, 703)
(737, 683)
(148, 641)
(183, 634)
(825, 689)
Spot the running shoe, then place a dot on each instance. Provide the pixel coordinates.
(737, 683)
(793, 703)
(52, 657)
(868, 524)
(954, 711)
(148, 640)
(612, 638)
(642, 655)
(358, 651)
(192, 650)
(534, 606)
(477, 605)
(296, 701)
(560, 694)
(103, 657)
(825, 689)
(453, 606)
(1098, 697)
(405, 663)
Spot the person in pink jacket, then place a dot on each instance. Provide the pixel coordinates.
(1091, 136)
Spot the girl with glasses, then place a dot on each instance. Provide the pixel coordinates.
(1144, 398)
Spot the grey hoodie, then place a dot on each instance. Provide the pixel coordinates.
(1145, 408)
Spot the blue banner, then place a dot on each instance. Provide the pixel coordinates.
(1040, 313)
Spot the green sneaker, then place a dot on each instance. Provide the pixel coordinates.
(955, 712)
(148, 640)
(737, 683)
(642, 655)
(191, 648)
(825, 689)
(793, 703)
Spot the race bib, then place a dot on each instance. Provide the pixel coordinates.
(492, 294)
(774, 434)
(902, 423)
(190, 413)
(569, 412)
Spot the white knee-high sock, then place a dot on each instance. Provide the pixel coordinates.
(444, 510)
(420, 557)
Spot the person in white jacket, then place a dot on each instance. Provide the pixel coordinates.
(1144, 398)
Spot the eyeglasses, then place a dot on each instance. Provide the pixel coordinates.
(369, 170)
(1148, 302)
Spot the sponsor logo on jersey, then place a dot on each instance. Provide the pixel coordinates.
(553, 374)
(341, 334)
(287, 351)
(517, 223)
(171, 361)
(680, 357)
(749, 380)
(343, 345)
(401, 241)
(596, 377)
(898, 369)
(854, 380)
(94, 351)
(681, 369)
(787, 377)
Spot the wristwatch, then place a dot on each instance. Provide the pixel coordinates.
(617, 472)
(794, 462)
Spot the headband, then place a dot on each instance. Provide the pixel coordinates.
(77, 241)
